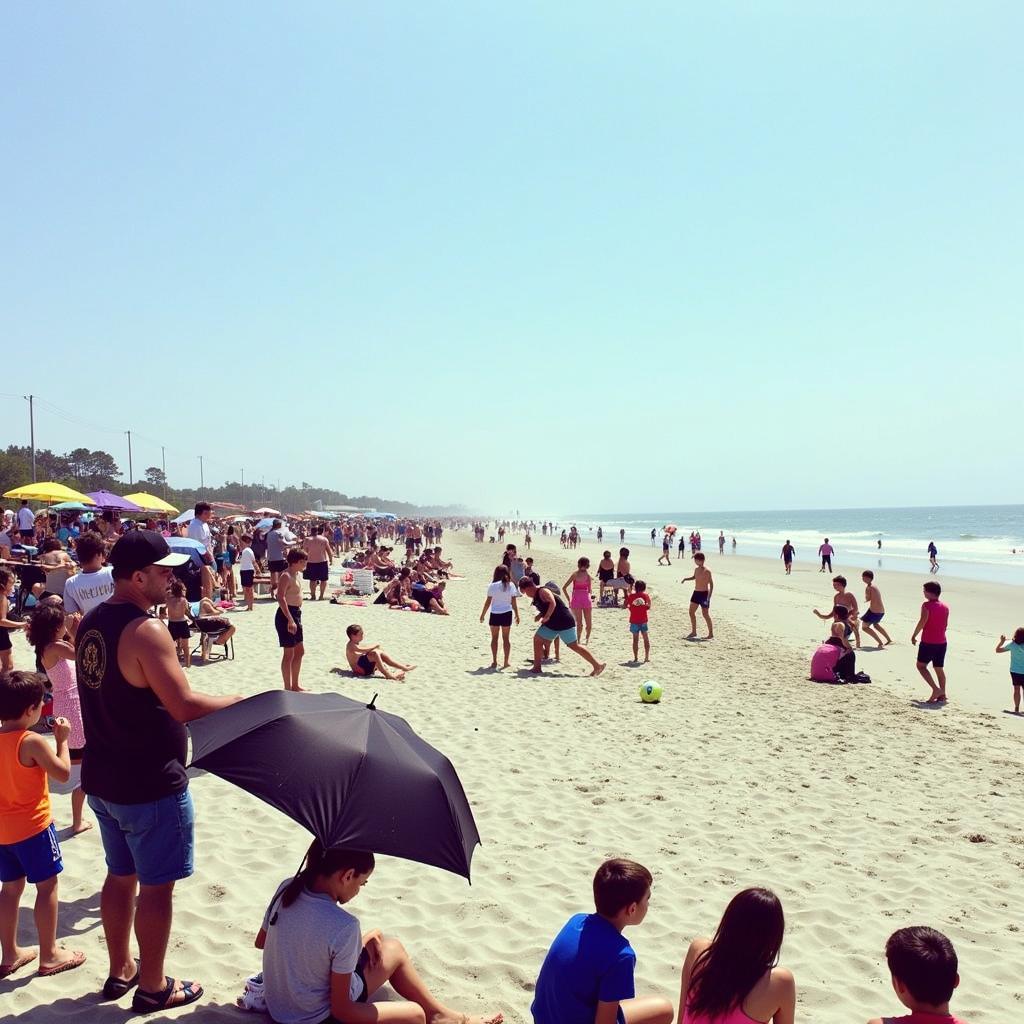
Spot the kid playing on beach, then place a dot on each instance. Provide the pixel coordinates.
(932, 627)
(703, 588)
(587, 975)
(6, 624)
(1016, 652)
(364, 661)
(247, 570)
(177, 621)
(847, 601)
(556, 623)
(923, 966)
(288, 618)
(319, 966)
(873, 616)
(28, 839)
(639, 604)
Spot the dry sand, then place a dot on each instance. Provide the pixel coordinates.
(863, 811)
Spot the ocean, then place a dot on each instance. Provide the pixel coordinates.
(984, 542)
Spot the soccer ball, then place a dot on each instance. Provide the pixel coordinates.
(650, 692)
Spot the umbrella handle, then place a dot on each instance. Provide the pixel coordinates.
(372, 706)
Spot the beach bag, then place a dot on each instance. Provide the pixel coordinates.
(253, 996)
(823, 663)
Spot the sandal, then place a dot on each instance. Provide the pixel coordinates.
(77, 959)
(151, 1002)
(22, 961)
(115, 988)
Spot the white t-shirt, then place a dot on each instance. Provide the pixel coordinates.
(85, 591)
(501, 597)
(200, 531)
(247, 560)
(311, 940)
(26, 519)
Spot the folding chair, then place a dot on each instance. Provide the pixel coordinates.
(208, 637)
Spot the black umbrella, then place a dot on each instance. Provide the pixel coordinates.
(354, 776)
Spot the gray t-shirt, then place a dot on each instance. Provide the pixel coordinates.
(85, 591)
(311, 940)
(277, 545)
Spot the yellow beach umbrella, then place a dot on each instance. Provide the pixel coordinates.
(150, 502)
(48, 492)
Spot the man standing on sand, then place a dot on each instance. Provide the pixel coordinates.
(788, 551)
(721, 542)
(826, 551)
(932, 627)
(288, 618)
(703, 588)
(556, 623)
(321, 555)
(872, 618)
(277, 548)
(135, 699)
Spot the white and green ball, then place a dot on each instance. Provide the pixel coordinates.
(650, 692)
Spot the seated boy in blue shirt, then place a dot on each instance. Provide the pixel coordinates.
(587, 976)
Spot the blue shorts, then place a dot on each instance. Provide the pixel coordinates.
(870, 618)
(567, 636)
(152, 840)
(36, 858)
(638, 627)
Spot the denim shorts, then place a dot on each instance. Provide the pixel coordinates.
(638, 627)
(36, 858)
(152, 840)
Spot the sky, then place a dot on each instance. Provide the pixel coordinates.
(561, 256)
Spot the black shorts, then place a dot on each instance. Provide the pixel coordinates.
(277, 564)
(315, 572)
(701, 597)
(284, 638)
(213, 624)
(1017, 678)
(934, 653)
(500, 619)
(27, 535)
(179, 630)
(5, 640)
(604, 575)
(247, 576)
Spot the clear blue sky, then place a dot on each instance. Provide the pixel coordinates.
(735, 255)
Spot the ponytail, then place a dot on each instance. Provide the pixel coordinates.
(319, 862)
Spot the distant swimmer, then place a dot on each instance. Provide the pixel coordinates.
(703, 587)
(873, 616)
(879, 543)
(933, 556)
(826, 551)
(721, 542)
(622, 536)
(654, 536)
(788, 551)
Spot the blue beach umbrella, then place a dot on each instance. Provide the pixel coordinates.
(187, 546)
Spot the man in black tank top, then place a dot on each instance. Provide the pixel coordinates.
(135, 700)
(556, 623)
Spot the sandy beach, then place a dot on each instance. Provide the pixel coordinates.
(864, 811)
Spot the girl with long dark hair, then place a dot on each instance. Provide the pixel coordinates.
(734, 978)
(319, 967)
(501, 599)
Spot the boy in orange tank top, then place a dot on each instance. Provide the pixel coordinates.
(28, 840)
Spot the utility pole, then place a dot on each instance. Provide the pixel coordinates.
(202, 486)
(243, 488)
(32, 432)
(131, 476)
(163, 467)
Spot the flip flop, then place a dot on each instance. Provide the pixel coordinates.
(115, 988)
(151, 1002)
(23, 961)
(76, 961)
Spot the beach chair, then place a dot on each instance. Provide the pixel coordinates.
(209, 630)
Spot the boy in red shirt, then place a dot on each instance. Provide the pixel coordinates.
(639, 604)
(932, 627)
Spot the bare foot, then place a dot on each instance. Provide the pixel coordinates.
(690, 636)
(536, 670)
(83, 827)
(493, 664)
(711, 636)
(408, 668)
(399, 677)
(598, 669)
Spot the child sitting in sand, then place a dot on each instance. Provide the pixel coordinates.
(318, 966)
(1016, 652)
(364, 661)
(587, 975)
(28, 840)
(923, 966)
(734, 978)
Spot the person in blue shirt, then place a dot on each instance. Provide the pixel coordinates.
(1016, 649)
(587, 975)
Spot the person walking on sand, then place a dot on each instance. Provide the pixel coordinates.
(932, 627)
(654, 536)
(1016, 652)
(872, 618)
(501, 599)
(933, 557)
(788, 551)
(666, 549)
(556, 623)
(826, 551)
(135, 701)
(288, 618)
(703, 588)
(364, 661)
(580, 586)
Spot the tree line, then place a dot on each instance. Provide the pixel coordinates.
(86, 470)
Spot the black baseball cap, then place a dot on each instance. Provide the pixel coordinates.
(140, 549)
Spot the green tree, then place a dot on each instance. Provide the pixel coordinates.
(156, 477)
